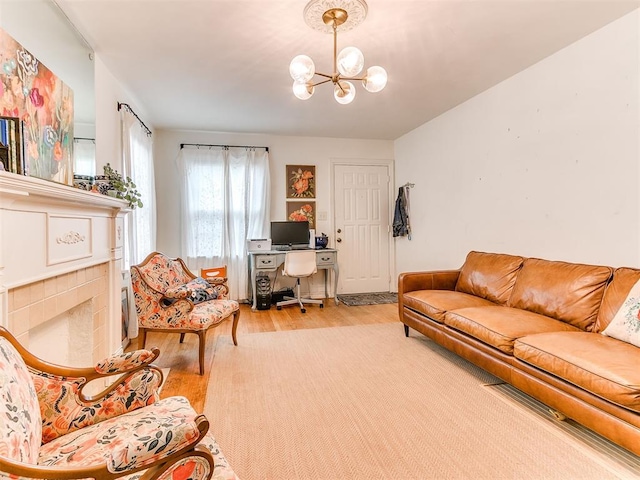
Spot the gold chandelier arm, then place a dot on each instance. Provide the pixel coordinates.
(324, 75)
(323, 81)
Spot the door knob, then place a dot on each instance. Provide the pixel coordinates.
(338, 240)
(339, 231)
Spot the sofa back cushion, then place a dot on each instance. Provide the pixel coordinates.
(614, 295)
(489, 275)
(20, 422)
(569, 292)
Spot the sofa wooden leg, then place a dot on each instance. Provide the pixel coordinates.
(561, 417)
(202, 334)
(406, 330)
(236, 317)
(182, 337)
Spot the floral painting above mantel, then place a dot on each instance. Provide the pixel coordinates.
(32, 93)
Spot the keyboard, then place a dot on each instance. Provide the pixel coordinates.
(286, 248)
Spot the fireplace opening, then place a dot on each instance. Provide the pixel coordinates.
(66, 339)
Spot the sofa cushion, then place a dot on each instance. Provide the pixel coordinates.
(434, 303)
(569, 292)
(625, 325)
(501, 326)
(615, 294)
(20, 423)
(489, 275)
(601, 365)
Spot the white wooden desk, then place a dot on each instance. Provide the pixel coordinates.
(326, 259)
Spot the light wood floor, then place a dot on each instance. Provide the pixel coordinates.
(182, 359)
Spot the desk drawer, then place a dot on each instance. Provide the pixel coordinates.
(266, 262)
(325, 258)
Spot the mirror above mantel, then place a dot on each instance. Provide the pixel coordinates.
(42, 28)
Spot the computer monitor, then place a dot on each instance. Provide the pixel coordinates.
(292, 234)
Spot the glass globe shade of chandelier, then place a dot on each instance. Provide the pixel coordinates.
(347, 65)
(344, 92)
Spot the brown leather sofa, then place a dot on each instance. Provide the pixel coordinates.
(537, 325)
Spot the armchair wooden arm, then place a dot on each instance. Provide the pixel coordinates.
(64, 406)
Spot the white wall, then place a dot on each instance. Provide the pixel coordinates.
(544, 164)
(108, 134)
(282, 151)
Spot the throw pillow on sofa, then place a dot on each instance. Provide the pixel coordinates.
(197, 290)
(625, 325)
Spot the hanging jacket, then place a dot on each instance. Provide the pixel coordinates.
(401, 216)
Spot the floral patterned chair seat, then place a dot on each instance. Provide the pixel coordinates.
(49, 428)
(169, 298)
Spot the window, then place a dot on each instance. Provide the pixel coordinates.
(225, 200)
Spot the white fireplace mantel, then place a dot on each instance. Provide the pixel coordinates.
(14, 186)
(51, 231)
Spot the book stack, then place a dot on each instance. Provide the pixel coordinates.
(11, 155)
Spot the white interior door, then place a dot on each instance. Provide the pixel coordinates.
(361, 223)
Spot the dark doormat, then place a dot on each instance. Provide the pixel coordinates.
(356, 299)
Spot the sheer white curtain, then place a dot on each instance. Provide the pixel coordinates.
(137, 150)
(225, 201)
(140, 224)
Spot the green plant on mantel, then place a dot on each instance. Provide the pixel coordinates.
(124, 187)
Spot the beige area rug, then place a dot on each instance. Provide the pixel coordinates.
(364, 402)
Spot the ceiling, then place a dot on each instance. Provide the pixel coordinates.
(223, 66)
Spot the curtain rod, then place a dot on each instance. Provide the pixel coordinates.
(182, 145)
(130, 110)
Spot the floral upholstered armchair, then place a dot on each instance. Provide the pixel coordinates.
(51, 428)
(169, 298)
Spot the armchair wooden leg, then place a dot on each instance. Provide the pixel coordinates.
(182, 337)
(236, 317)
(142, 337)
(202, 334)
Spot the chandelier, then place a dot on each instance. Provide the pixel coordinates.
(326, 16)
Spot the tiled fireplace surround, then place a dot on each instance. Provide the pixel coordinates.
(33, 305)
(60, 269)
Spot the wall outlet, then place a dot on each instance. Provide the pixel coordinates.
(322, 216)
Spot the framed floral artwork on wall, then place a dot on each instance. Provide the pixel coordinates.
(302, 212)
(301, 181)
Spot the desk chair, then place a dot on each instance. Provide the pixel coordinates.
(299, 264)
